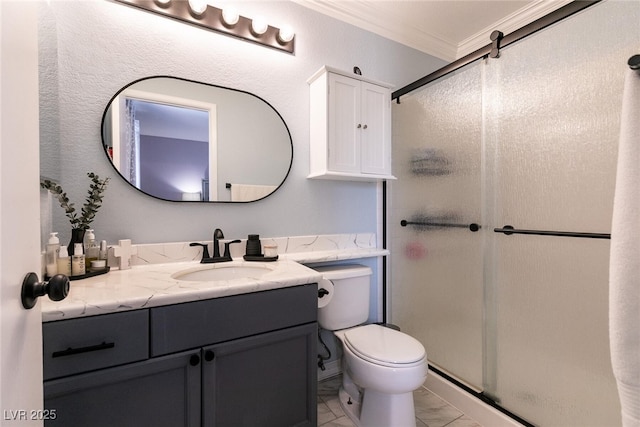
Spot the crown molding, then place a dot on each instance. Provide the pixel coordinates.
(367, 19)
(509, 24)
(365, 15)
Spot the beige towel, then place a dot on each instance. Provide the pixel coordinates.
(248, 193)
(624, 269)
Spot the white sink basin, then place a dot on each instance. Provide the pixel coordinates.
(217, 272)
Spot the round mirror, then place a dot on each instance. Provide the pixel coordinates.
(181, 140)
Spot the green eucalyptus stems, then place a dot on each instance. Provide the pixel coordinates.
(91, 205)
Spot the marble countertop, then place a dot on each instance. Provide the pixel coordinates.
(335, 255)
(152, 285)
(149, 283)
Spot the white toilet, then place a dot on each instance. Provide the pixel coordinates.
(381, 367)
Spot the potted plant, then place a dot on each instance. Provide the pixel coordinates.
(79, 223)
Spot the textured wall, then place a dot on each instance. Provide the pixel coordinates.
(90, 49)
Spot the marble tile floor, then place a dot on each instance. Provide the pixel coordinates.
(431, 410)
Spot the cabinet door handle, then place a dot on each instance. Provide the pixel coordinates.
(209, 355)
(71, 351)
(364, 127)
(194, 360)
(359, 126)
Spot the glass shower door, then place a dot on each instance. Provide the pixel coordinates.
(436, 260)
(552, 111)
(527, 140)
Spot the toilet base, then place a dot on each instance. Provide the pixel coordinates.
(350, 406)
(379, 409)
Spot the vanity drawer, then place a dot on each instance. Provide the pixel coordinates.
(190, 325)
(89, 343)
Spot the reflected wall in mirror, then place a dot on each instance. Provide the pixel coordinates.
(181, 140)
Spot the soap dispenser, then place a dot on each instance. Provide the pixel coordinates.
(53, 250)
(254, 247)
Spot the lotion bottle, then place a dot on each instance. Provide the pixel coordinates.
(77, 261)
(91, 248)
(64, 262)
(102, 253)
(53, 250)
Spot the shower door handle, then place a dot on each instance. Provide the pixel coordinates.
(509, 230)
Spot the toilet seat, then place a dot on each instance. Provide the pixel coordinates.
(384, 346)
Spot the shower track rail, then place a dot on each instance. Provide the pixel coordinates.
(509, 230)
(537, 25)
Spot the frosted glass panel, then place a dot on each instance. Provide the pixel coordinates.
(436, 291)
(552, 122)
(529, 140)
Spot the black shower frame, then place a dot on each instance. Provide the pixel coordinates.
(537, 25)
(503, 41)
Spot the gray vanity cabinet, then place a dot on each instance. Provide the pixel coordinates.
(98, 373)
(157, 392)
(264, 380)
(259, 354)
(243, 360)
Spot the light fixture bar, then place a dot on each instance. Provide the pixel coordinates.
(211, 19)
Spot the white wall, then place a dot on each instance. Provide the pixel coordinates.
(91, 49)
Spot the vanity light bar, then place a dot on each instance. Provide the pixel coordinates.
(212, 18)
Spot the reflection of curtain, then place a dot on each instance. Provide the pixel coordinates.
(205, 189)
(130, 157)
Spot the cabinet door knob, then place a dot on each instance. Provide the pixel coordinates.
(364, 127)
(194, 360)
(209, 355)
(359, 126)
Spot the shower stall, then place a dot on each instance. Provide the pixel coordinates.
(525, 141)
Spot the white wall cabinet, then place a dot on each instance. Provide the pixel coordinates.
(350, 127)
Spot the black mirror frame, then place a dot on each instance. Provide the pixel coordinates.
(104, 145)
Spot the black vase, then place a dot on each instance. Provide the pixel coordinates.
(77, 236)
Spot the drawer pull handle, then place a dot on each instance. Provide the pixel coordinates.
(71, 351)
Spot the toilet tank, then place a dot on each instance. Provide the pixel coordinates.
(348, 287)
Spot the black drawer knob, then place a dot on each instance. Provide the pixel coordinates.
(209, 355)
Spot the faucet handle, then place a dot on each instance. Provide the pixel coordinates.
(227, 252)
(205, 249)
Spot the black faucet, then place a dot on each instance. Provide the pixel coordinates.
(205, 250)
(217, 235)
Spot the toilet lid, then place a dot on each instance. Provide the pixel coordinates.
(384, 345)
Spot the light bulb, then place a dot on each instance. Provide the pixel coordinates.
(259, 26)
(286, 34)
(198, 6)
(230, 16)
(163, 3)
